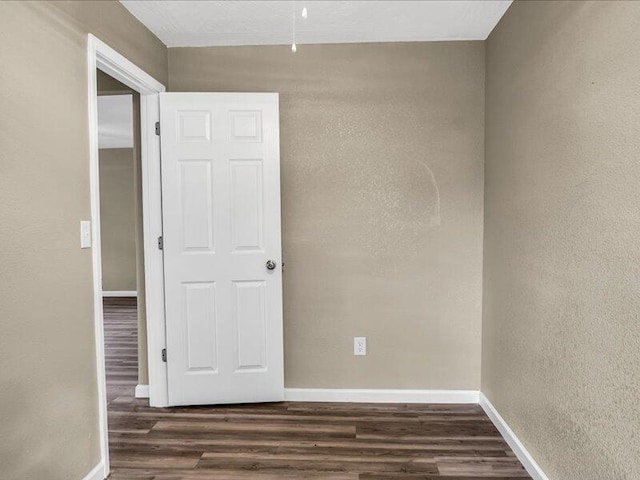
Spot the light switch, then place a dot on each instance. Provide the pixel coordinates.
(85, 234)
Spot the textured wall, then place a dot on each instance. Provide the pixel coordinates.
(561, 337)
(117, 219)
(48, 398)
(112, 23)
(382, 193)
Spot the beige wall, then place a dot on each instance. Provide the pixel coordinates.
(48, 400)
(561, 349)
(112, 23)
(117, 219)
(382, 193)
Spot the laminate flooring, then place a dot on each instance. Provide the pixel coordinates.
(289, 440)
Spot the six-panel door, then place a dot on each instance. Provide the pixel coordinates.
(221, 225)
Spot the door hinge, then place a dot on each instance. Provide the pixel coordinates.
(164, 355)
(160, 243)
(158, 128)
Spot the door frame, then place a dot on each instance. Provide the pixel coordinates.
(101, 56)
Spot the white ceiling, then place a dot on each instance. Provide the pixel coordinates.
(115, 121)
(187, 23)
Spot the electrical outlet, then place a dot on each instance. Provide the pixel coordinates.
(359, 345)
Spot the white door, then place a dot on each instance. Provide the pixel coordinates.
(222, 248)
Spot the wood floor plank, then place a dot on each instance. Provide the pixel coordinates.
(289, 440)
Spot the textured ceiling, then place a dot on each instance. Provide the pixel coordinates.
(205, 23)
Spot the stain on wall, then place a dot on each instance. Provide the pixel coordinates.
(433, 197)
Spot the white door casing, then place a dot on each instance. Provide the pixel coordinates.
(221, 225)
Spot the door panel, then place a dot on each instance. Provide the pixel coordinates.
(247, 205)
(196, 196)
(200, 318)
(221, 224)
(250, 319)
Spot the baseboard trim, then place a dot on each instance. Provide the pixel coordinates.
(142, 391)
(120, 293)
(97, 473)
(380, 396)
(510, 437)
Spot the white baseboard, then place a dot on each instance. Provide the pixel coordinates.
(120, 293)
(516, 445)
(142, 391)
(97, 473)
(380, 396)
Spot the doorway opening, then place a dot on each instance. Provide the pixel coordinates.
(125, 155)
(121, 221)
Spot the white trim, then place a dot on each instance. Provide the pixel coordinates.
(101, 56)
(380, 396)
(153, 260)
(96, 254)
(96, 473)
(120, 68)
(119, 293)
(142, 391)
(512, 440)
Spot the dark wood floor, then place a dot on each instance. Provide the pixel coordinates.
(289, 440)
(121, 347)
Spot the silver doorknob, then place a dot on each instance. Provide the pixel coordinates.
(271, 265)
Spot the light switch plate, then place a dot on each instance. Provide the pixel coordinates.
(359, 346)
(85, 234)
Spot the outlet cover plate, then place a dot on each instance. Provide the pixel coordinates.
(360, 346)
